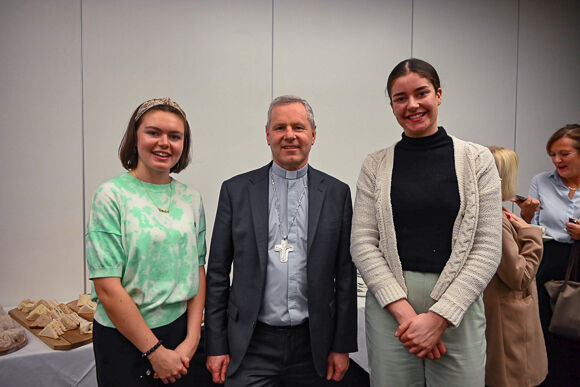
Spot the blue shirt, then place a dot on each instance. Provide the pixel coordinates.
(285, 300)
(552, 193)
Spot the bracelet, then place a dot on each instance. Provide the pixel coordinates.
(152, 349)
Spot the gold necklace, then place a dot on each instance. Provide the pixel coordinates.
(165, 211)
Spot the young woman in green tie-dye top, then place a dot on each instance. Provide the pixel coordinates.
(146, 254)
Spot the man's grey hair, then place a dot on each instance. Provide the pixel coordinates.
(288, 99)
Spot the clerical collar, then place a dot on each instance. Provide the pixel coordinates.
(291, 175)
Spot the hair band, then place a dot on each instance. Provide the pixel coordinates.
(147, 105)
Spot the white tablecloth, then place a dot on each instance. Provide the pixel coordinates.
(38, 365)
(361, 357)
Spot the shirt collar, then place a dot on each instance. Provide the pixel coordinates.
(285, 174)
(554, 176)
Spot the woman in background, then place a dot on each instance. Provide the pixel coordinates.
(556, 191)
(426, 238)
(146, 253)
(516, 354)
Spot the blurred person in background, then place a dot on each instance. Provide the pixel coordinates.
(516, 354)
(554, 204)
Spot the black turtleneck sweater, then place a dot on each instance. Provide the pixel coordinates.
(425, 201)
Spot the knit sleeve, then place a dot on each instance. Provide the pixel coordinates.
(484, 254)
(365, 239)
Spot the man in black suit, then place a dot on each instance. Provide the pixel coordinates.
(289, 316)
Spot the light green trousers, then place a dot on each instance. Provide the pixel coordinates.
(391, 364)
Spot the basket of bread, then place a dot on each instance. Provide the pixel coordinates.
(12, 335)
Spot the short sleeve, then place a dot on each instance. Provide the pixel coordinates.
(201, 245)
(104, 248)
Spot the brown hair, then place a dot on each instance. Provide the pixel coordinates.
(571, 130)
(506, 161)
(413, 65)
(128, 147)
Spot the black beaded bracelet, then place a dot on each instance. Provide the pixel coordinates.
(153, 348)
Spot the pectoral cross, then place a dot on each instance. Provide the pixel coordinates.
(284, 248)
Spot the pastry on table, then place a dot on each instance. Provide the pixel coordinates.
(42, 321)
(53, 330)
(40, 309)
(84, 299)
(86, 327)
(70, 322)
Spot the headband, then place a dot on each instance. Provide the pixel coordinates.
(145, 106)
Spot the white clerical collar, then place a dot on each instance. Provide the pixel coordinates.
(285, 174)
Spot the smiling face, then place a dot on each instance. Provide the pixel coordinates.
(566, 159)
(290, 135)
(160, 139)
(415, 104)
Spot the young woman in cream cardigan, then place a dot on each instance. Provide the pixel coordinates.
(426, 238)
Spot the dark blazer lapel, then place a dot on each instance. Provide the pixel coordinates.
(316, 191)
(259, 207)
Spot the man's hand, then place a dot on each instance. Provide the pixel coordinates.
(218, 365)
(337, 366)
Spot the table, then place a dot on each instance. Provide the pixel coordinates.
(361, 357)
(38, 365)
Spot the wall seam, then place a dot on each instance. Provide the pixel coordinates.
(83, 154)
(412, 24)
(272, 57)
(518, 3)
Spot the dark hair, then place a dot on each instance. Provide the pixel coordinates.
(413, 65)
(128, 147)
(571, 130)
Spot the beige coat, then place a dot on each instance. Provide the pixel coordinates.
(516, 354)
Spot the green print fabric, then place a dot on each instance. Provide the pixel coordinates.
(156, 255)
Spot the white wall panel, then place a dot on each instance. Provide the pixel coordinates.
(473, 46)
(213, 58)
(549, 79)
(66, 63)
(337, 55)
(41, 151)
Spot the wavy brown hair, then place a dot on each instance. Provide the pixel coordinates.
(571, 130)
(128, 147)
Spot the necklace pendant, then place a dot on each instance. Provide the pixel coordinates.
(162, 210)
(284, 248)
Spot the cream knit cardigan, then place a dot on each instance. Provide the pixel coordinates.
(477, 230)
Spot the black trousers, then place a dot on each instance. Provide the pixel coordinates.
(119, 362)
(277, 356)
(563, 353)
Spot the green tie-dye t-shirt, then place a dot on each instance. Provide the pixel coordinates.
(156, 255)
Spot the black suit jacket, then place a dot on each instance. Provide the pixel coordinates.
(240, 235)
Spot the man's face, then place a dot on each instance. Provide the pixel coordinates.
(290, 135)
